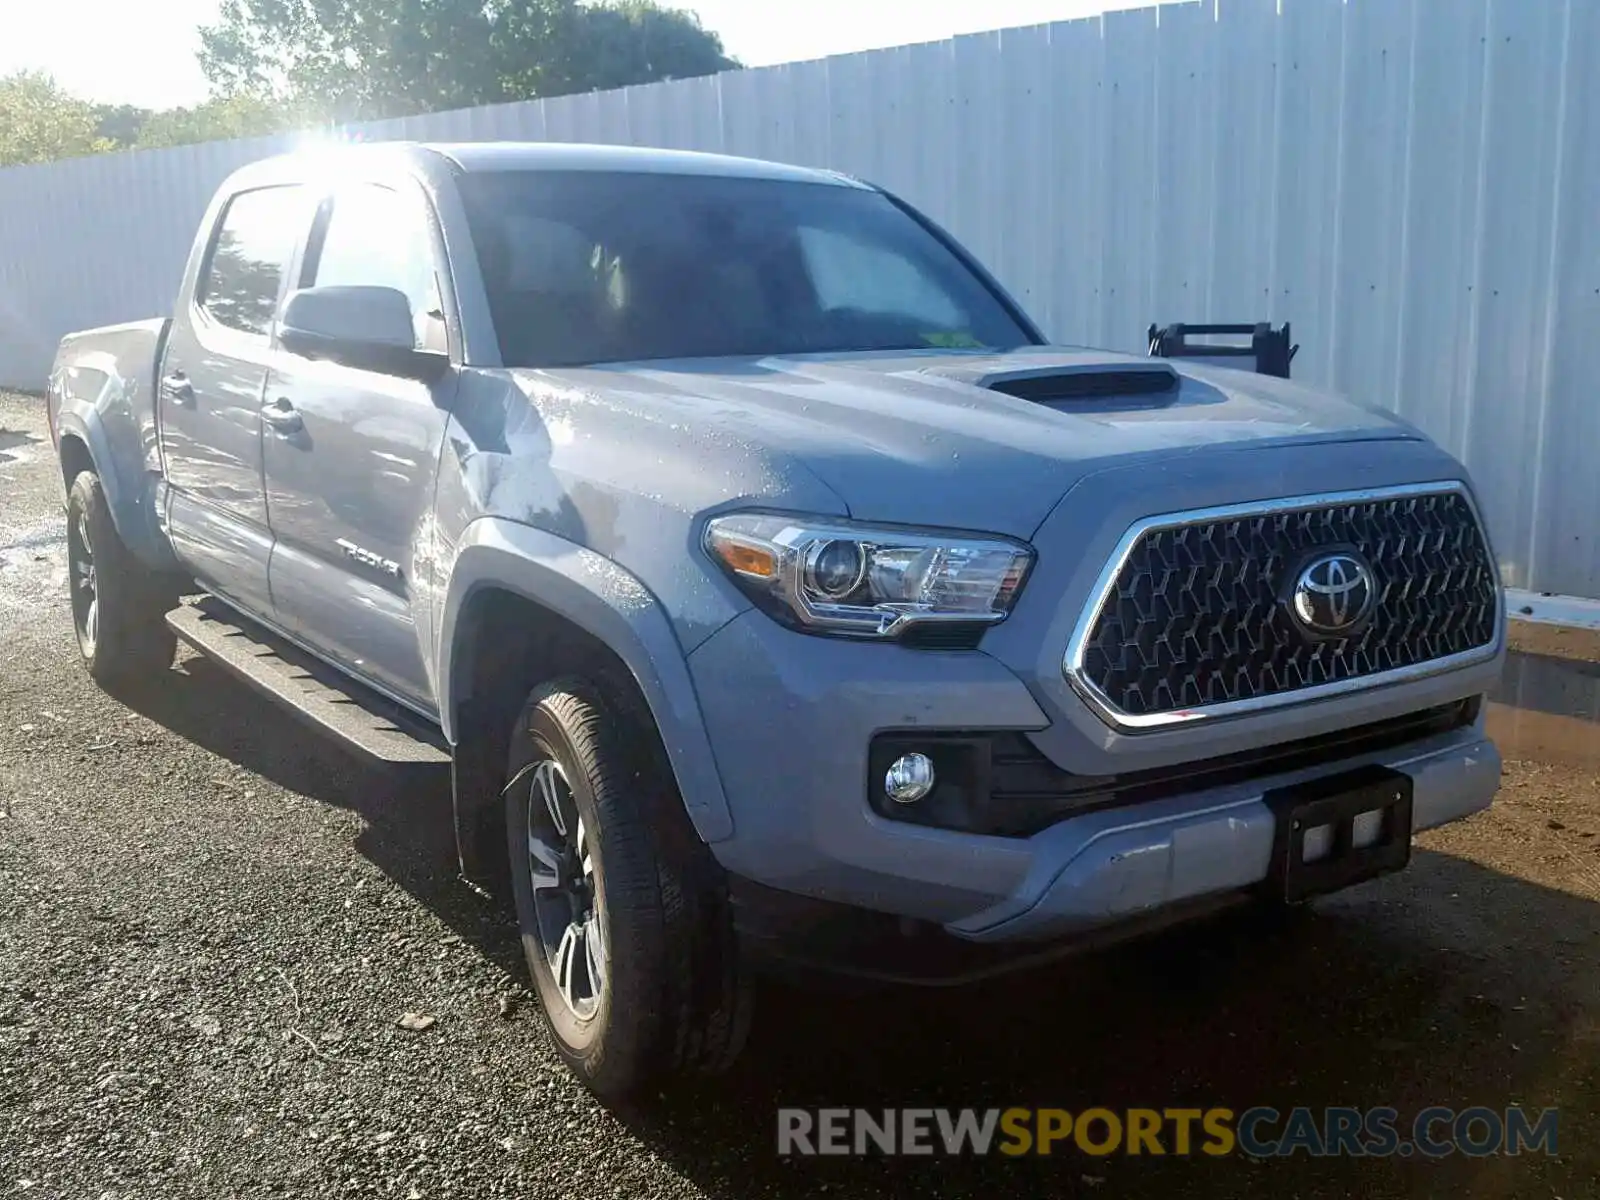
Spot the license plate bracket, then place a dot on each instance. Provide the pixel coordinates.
(1335, 802)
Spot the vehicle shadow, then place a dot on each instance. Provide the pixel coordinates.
(409, 832)
(1398, 994)
(1450, 984)
(12, 440)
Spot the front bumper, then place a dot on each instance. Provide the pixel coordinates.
(791, 719)
(1119, 864)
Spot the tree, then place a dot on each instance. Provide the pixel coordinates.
(242, 114)
(628, 42)
(363, 59)
(280, 64)
(120, 124)
(39, 122)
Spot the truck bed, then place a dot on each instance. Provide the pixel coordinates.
(102, 410)
(111, 369)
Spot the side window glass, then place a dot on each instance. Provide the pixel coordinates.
(375, 237)
(259, 229)
(849, 274)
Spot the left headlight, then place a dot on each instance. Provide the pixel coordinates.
(825, 575)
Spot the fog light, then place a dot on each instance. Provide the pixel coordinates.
(909, 778)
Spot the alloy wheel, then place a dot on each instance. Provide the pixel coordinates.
(83, 584)
(567, 901)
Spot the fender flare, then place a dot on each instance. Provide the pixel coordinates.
(132, 509)
(79, 419)
(611, 605)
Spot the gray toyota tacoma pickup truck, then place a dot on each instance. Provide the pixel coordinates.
(769, 586)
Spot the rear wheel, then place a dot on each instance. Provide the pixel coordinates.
(624, 920)
(118, 604)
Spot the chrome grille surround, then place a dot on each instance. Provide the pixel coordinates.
(1327, 663)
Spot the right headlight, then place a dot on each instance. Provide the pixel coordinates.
(831, 576)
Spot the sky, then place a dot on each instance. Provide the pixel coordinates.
(123, 52)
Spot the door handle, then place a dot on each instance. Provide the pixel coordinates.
(281, 415)
(177, 388)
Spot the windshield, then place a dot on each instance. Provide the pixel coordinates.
(589, 267)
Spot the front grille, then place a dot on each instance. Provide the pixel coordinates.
(1197, 618)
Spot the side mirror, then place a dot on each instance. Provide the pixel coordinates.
(365, 327)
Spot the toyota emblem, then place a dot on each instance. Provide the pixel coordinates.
(1334, 594)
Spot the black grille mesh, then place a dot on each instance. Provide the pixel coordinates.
(1195, 617)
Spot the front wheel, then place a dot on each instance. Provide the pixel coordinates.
(623, 917)
(119, 605)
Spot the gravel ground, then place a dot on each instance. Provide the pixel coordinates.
(211, 924)
(1556, 641)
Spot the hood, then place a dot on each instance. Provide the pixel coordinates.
(924, 438)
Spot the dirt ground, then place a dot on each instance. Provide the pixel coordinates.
(1556, 641)
(210, 924)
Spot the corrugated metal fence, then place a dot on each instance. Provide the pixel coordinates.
(1415, 184)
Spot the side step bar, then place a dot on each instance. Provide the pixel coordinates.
(366, 723)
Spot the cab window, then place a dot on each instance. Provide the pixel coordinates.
(239, 288)
(374, 236)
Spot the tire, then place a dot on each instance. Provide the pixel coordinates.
(119, 605)
(623, 913)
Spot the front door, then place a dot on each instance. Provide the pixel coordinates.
(351, 457)
(209, 395)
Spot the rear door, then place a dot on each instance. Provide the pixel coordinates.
(210, 395)
(351, 455)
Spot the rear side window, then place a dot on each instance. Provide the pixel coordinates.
(259, 229)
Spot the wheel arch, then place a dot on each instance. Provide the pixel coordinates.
(84, 447)
(83, 444)
(75, 458)
(522, 604)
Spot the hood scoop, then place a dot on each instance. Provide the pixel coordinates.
(1153, 381)
(1157, 383)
